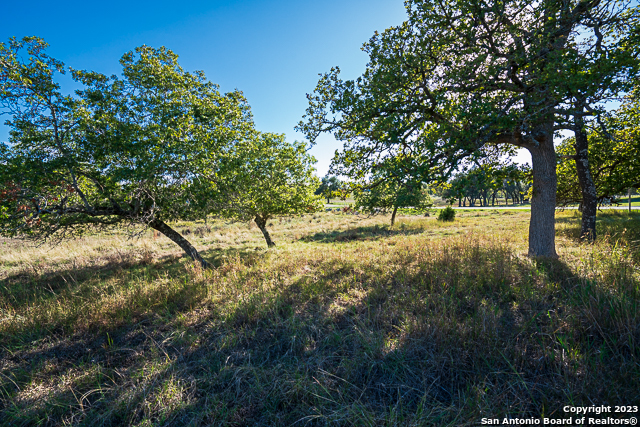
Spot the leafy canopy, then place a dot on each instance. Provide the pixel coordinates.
(125, 150)
(266, 176)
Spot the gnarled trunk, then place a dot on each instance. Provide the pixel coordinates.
(588, 188)
(542, 230)
(262, 224)
(177, 238)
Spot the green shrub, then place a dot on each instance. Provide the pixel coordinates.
(447, 214)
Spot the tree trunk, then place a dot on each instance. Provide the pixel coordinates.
(393, 215)
(542, 230)
(262, 224)
(177, 238)
(629, 199)
(589, 196)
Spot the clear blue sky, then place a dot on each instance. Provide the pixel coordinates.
(271, 50)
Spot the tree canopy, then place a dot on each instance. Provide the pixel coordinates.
(263, 177)
(329, 187)
(391, 194)
(460, 79)
(137, 150)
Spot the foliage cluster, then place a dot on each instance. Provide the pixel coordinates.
(384, 195)
(330, 188)
(155, 145)
(447, 214)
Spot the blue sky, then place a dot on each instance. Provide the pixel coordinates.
(271, 50)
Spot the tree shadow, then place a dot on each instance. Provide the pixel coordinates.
(363, 233)
(30, 285)
(441, 338)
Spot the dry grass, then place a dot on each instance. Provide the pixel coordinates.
(346, 323)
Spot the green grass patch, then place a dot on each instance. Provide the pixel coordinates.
(347, 322)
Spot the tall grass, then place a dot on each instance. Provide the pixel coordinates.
(347, 322)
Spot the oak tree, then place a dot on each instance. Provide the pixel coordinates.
(264, 177)
(459, 78)
(134, 151)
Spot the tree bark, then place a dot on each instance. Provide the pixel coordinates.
(177, 238)
(543, 202)
(393, 215)
(262, 224)
(589, 195)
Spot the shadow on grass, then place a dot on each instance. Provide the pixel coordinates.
(442, 335)
(610, 225)
(30, 285)
(363, 233)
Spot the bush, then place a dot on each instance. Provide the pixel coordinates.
(447, 214)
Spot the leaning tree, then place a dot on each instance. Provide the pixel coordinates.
(459, 78)
(136, 150)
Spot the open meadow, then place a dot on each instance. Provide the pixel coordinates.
(345, 322)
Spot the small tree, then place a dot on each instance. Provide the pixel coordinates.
(265, 177)
(130, 151)
(391, 194)
(330, 186)
(447, 214)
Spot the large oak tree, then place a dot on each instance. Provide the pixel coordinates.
(462, 77)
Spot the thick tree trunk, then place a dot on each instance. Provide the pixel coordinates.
(589, 196)
(542, 230)
(262, 224)
(177, 238)
(393, 215)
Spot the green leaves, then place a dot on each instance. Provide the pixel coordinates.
(266, 176)
(124, 150)
(613, 157)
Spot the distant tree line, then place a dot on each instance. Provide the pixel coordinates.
(485, 185)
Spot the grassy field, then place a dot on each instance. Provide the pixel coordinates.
(346, 322)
